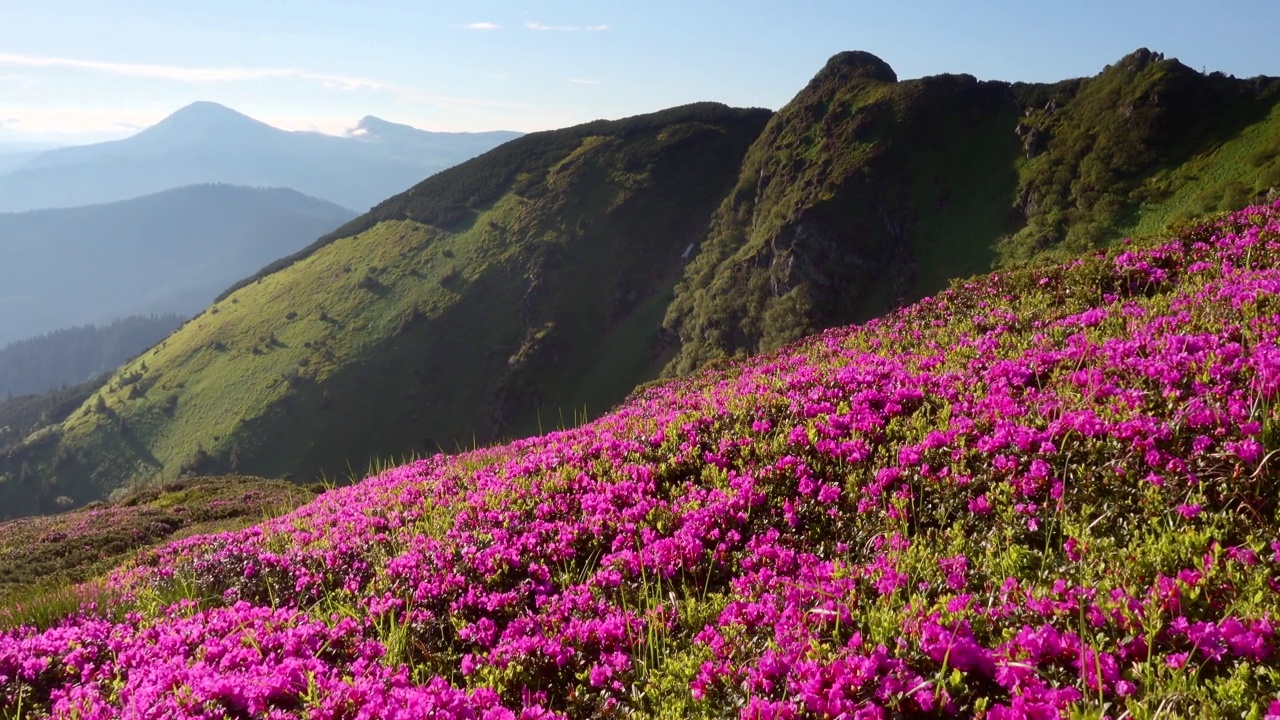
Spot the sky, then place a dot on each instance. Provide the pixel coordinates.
(75, 71)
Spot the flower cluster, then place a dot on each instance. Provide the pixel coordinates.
(1037, 491)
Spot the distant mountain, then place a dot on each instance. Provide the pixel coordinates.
(171, 252)
(439, 148)
(72, 356)
(542, 281)
(12, 158)
(9, 145)
(208, 143)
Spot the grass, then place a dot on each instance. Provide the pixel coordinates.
(1220, 177)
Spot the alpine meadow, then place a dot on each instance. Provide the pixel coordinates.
(930, 397)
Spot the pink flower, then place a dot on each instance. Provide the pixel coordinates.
(1073, 549)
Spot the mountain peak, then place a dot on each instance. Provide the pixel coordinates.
(203, 117)
(206, 110)
(370, 123)
(371, 127)
(853, 64)
(1140, 58)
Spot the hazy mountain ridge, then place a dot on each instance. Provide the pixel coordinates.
(207, 143)
(72, 356)
(503, 295)
(164, 253)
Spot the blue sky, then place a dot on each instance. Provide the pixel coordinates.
(83, 70)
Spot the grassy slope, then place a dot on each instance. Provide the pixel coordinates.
(865, 192)
(1048, 492)
(1245, 164)
(406, 336)
(1146, 141)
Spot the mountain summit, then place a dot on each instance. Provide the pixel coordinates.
(375, 127)
(205, 120)
(205, 142)
(855, 64)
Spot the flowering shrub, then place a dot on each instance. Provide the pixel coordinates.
(1040, 493)
(43, 559)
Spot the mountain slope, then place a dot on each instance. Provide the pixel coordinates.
(822, 224)
(208, 143)
(532, 277)
(71, 356)
(1044, 493)
(865, 192)
(166, 253)
(1147, 140)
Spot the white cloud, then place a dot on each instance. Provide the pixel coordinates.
(328, 125)
(190, 74)
(102, 124)
(565, 28)
(64, 122)
(481, 26)
(581, 81)
(195, 75)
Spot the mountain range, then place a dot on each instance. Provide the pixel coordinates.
(209, 143)
(541, 282)
(171, 252)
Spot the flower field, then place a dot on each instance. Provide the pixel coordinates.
(43, 559)
(1044, 493)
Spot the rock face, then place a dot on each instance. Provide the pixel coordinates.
(820, 228)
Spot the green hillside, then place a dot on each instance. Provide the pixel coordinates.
(529, 283)
(538, 284)
(866, 192)
(1147, 141)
